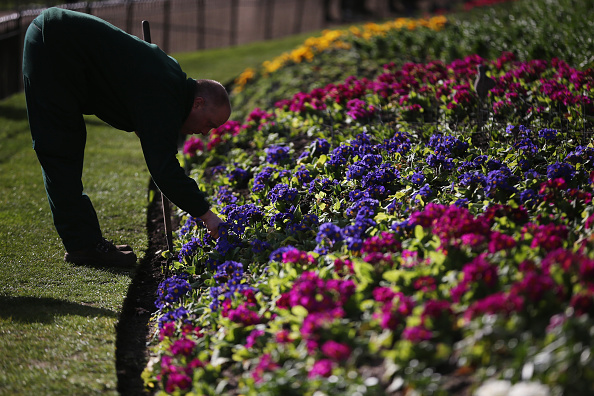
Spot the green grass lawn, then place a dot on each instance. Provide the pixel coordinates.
(57, 320)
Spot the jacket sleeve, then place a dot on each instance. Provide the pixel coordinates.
(158, 136)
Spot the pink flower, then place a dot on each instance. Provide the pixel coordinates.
(343, 266)
(472, 240)
(177, 381)
(193, 145)
(436, 309)
(283, 337)
(183, 346)
(500, 241)
(242, 314)
(167, 330)
(336, 351)
(253, 337)
(296, 256)
(383, 294)
(534, 286)
(425, 283)
(321, 368)
(416, 334)
(265, 364)
(498, 303)
(583, 303)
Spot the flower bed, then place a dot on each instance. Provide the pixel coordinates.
(371, 247)
(360, 254)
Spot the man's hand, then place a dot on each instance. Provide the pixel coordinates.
(212, 222)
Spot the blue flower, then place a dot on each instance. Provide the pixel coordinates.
(188, 225)
(547, 134)
(239, 175)
(437, 160)
(425, 192)
(363, 207)
(356, 171)
(500, 180)
(225, 195)
(561, 170)
(417, 178)
(180, 313)
(321, 146)
(340, 155)
(529, 197)
(526, 145)
(282, 192)
(329, 232)
(461, 203)
(262, 178)
(303, 175)
(189, 249)
(171, 290)
(277, 154)
(473, 179)
(259, 246)
(401, 227)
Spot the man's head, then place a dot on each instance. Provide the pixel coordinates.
(211, 108)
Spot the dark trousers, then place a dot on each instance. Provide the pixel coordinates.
(59, 136)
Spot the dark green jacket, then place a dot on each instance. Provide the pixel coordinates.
(133, 86)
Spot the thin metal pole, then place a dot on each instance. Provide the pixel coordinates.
(299, 7)
(200, 24)
(166, 24)
(234, 20)
(268, 19)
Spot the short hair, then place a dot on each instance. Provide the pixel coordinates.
(213, 92)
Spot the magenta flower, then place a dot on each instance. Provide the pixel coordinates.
(183, 346)
(498, 303)
(266, 364)
(500, 241)
(321, 368)
(178, 381)
(167, 330)
(283, 337)
(416, 334)
(242, 314)
(336, 350)
(435, 309)
(252, 338)
(193, 145)
(534, 286)
(296, 256)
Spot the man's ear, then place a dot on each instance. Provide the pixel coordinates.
(198, 102)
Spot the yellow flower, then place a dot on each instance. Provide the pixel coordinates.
(330, 39)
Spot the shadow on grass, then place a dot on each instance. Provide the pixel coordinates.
(132, 330)
(45, 310)
(11, 112)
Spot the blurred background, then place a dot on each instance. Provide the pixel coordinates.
(190, 25)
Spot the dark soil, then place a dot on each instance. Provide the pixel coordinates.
(139, 304)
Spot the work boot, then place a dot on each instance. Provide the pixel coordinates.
(105, 254)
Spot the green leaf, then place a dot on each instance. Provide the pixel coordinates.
(419, 232)
(299, 311)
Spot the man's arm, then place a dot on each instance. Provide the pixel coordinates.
(212, 222)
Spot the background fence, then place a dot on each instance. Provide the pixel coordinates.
(184, 25)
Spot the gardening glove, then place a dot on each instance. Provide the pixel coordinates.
(212, 222)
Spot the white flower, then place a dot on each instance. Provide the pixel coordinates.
(493, 388)
(529, 389)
